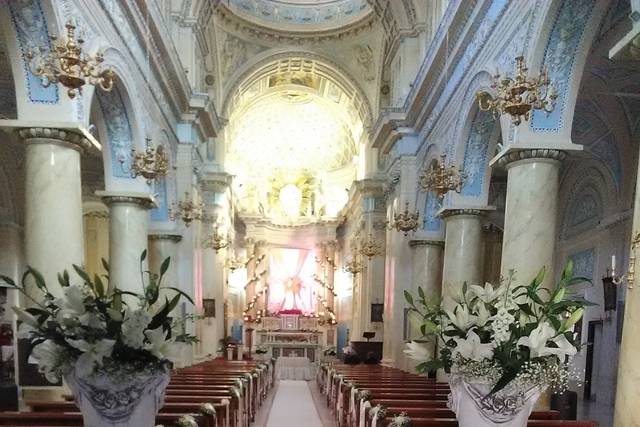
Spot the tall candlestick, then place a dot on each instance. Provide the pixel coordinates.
(613, 263)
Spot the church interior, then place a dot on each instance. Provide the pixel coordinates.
(234, 213)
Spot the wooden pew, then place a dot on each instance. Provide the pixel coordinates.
(72, 419)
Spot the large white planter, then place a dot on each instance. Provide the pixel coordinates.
(120, 399)
(474, 407)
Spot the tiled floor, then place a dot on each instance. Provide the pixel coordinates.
(593, 410)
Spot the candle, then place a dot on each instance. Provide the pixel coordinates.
(613, 263)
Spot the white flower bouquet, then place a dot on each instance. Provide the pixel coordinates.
(95, 327)
(513, 336)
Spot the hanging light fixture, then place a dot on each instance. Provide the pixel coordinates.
(370, 247)
(187, 210)
(68, 65)
(152, 164)
(519, 95)
(216, 240)
(354, 266)
(406, 221)
(441, 178)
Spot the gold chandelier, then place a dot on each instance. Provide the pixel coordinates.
(216, 240)
(354, 266)
(441, 178)
(67, 64)
(519, 95)
(370, 247)
(405, 221)
(152, 164)
(187, 210)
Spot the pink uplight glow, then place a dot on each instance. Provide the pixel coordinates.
(291, 284)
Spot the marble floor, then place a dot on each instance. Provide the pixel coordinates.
(295, 404)
(593, 410)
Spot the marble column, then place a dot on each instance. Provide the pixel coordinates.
(164, 245)
(626, 411)
(427, 274)
(53, 233)
(213, 280)
(330, 253)
(530, 213)
(462, 251)
(128, 237)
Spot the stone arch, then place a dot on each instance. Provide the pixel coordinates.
(266, 62)
(567, 33)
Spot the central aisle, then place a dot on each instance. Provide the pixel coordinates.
(293, 406)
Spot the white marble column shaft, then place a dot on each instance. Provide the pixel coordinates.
(462, 251)
(163, 246)
(53, 202)
(213, 280)
(128, 237)
(530, 214)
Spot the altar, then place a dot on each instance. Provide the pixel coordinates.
(294, 368)
(291, 336)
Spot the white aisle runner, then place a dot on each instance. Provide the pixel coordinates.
(293, 406)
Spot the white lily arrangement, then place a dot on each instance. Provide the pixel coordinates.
(95, 326)
(501, 335)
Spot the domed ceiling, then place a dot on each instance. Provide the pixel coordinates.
(301, 15)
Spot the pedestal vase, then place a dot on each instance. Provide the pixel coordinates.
(474, 406)
(123, 398)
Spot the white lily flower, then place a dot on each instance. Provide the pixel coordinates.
(92, 354)
(92, 320)
(418, 352)
(135, 322)
(565, 348)
(158, 342)
(487, 293)
(26, 317)
(483, 315)
(73, 300)
(49, 357)
(537, 340)
(472, 348)
(25, 330)
(461, 318)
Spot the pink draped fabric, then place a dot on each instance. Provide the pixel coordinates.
(291, 284)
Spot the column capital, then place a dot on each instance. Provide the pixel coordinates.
(63, 137)
(144, 200)
(448, 212)
(165, 236)
(424, 242)
(531, 154)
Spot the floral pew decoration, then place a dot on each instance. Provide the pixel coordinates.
(111, 346)
(501, 346)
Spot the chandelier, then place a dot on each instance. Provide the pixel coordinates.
(216, 241)
(187, 210)
(519, 95)
(152, 163)
(370, 248)
(405, 221)
(354, 266)
(67, 64)
(441, 178)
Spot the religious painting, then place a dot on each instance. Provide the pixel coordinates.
(377, 312)
(209, 307)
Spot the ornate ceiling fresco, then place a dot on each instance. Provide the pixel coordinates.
(301, 15)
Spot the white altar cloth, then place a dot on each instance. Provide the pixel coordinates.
(294, 368)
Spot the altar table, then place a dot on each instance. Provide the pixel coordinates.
(294, 368)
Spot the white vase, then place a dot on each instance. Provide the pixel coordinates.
(474, 407)
(120, 399)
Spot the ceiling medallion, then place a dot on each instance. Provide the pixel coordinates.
(68, 65)
(405, 221)
(371, 247)
(187, 210)
(519, 95)
(441, 178)
(152, 164)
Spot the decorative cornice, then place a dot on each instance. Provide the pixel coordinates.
(447, 213)
(159, 236)
(63, 137)
(144, 202)
(96, 214)
(264, 33)
(531, 154)
(415, 243)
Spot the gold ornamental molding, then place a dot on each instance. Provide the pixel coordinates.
(416, 243)
(450, 212)
(530, 154)
(141, 199)
(165, 236)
